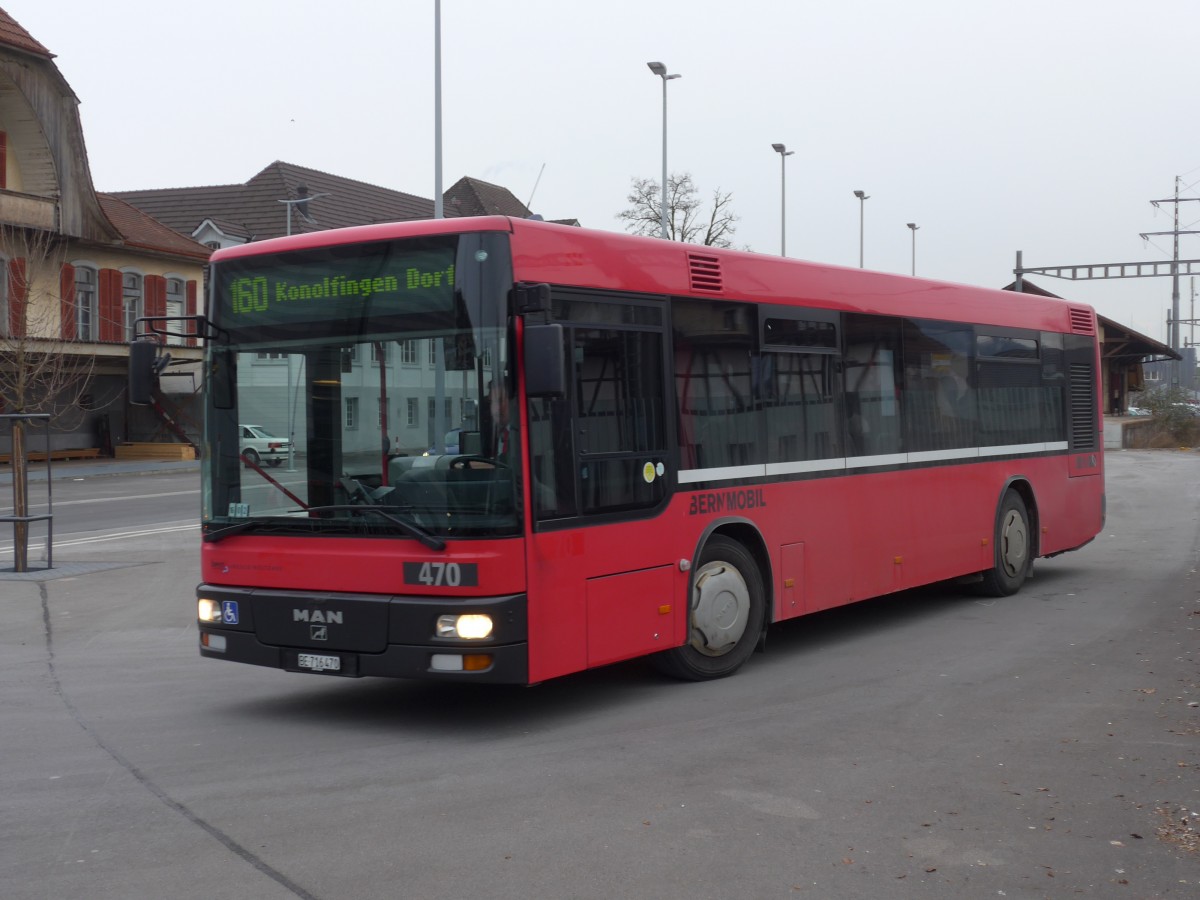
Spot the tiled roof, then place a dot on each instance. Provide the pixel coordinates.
(255, 207)
(141, 231)
(472, 197)
(12, 34)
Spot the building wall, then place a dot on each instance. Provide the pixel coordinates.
(45, 294)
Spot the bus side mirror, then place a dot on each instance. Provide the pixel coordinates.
(545, 371)
(144, 367)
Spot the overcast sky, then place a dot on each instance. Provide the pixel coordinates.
(1042, 126)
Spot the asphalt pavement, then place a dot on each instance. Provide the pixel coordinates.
(88, 468)
(929, 746)
(41, 493)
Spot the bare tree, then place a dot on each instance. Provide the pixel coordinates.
(37, 375)
(688, 219)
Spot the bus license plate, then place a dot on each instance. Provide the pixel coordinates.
(317, 663)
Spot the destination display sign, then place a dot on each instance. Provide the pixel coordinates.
(347, 284)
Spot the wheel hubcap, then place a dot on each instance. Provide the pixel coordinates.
(1014, 543)
(720, 609)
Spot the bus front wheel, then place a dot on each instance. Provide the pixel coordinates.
(1013, 546)
(725, 614)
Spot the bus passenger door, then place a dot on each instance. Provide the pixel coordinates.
(601, 575)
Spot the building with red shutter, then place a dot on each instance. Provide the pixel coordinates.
(77, 269)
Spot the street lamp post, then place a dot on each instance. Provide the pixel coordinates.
(914, 226)
(661, 71)
(438, 210)
(784, 153)
(862, 198)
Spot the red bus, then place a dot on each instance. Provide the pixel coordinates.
(520, 450)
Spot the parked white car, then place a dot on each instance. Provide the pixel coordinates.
(259, 445)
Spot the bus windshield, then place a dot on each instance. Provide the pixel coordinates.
(363, 389)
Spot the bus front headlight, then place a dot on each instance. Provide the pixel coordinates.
(470, 626)
(208, 611)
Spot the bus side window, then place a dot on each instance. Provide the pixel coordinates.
(620, 418)
(717, 380)
(872, 403)
(939, 400)
(800, 409)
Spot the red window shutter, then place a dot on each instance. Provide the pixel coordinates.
(148, 295)
(190, 309)
(66, 303)
(18, 293)
(155, 287)
(111, 324)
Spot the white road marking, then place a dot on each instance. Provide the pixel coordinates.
(100, 538)
(117, 497)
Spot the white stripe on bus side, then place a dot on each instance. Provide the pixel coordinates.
(733, 473)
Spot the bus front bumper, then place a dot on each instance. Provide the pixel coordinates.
(354, 635)
(506, 664)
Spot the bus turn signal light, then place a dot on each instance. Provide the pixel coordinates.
(454, 662)
(212, 641)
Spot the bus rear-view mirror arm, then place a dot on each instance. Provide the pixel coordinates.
(147, 358)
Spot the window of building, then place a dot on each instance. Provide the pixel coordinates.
(408, 353)
(176, 306)
(131, 301)
(86, 317)
(414, 412)
(351, 413)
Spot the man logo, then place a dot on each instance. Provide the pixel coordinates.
(318, 632)
(328, 617)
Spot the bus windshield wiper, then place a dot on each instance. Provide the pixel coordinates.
(230, 530)
(433, 543)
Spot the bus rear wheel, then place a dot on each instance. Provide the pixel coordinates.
(1013, 546)
(725, 614)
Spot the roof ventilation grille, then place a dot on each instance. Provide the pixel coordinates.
(705, 273)
(1082, 321)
